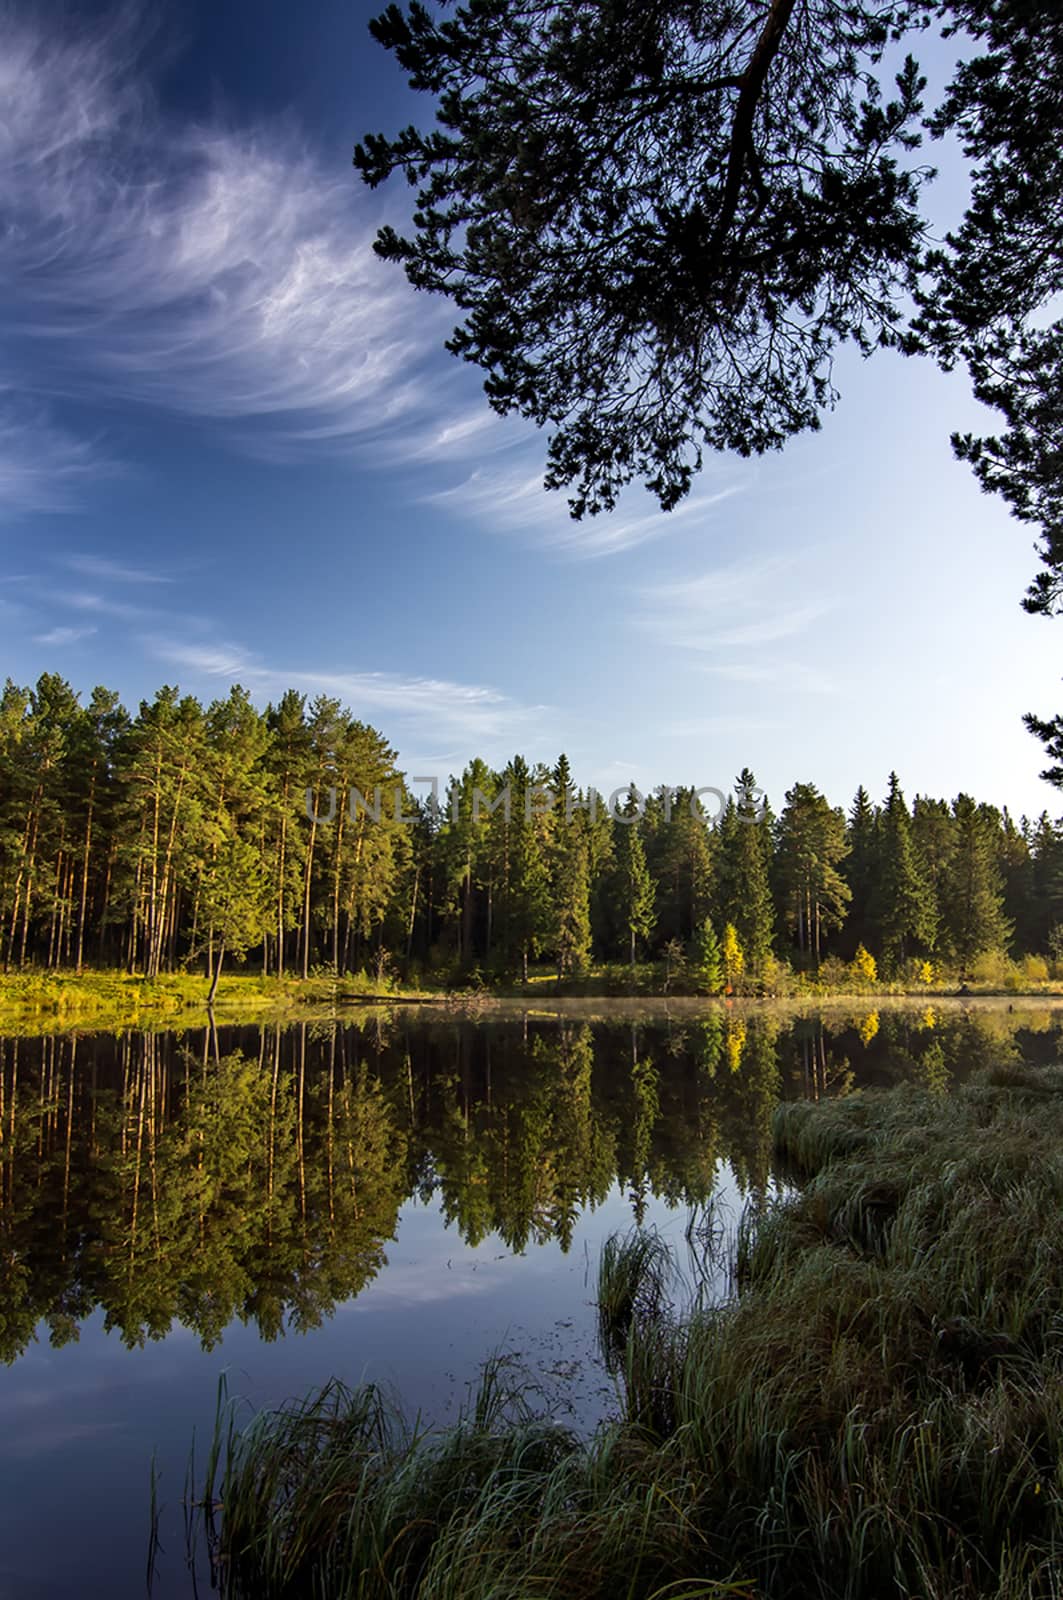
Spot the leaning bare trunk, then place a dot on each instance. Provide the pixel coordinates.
(217, 973)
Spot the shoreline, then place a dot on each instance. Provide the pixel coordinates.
(109, 1001)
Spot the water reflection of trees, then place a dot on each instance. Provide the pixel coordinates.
(170, 1179)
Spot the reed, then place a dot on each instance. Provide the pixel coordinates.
(876, 1410)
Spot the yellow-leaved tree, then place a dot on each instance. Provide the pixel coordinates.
(864, 965)
(734, 961)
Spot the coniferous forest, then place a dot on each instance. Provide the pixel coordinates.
(186, 836)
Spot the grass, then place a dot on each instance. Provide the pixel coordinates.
(110, 999)
(876, 1411)
(635, 1276)
(834, 980)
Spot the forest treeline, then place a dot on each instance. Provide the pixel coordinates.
(183, 834)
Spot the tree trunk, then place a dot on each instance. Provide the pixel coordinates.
(280, 878)
(217, 973)
(85, 858)
(306, 893)
(413, 912)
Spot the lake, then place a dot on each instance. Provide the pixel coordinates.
(392, 1196)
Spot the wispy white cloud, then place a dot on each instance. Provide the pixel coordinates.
(782, 624)
(217, 273)
(112, 571)
(729, 614)
(42, 466)
(102, 605)
(62, 636)
(726, 722)
(224, 275)
(791, 673)
(509, 497)
(465, 712)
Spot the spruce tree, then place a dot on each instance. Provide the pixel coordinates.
(904, 911)
(974, 919)
(570, 878)
(860, 870)
(634, 888)
(745, 891)
(934, 842)
(706, 959)
(520, 852)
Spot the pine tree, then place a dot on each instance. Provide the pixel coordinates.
(235, 902)
(1016, 867)
(162, 827)
(678, 851)
(98, 736)
(904, 912)
(811, 844)
(288, 762)
(1046, 886)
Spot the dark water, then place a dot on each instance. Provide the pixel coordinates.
(390, 1198)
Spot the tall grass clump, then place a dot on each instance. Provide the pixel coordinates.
(635, 1277)
(877, 1410)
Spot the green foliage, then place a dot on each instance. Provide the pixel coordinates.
(571, 896)
(905, 915)
(972, 895)
(633, 887)
(732, 958)
(599, 210)
(707, 959)
(744, 874)
(288, 839)
(810, 845)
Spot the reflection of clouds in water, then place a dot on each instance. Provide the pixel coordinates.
(416, 1285)
(53, 1434)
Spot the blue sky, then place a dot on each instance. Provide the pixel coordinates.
(233, 448)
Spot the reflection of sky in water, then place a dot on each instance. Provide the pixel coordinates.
(79, 1424)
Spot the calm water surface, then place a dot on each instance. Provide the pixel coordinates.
(392, 1199)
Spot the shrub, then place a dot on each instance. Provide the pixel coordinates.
(833, 973)
(863, 966)
(991, 967)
